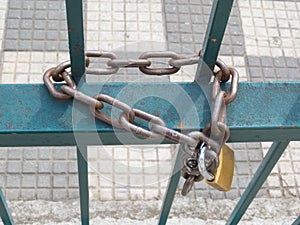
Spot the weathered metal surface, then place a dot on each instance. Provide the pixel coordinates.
(215, 31)
(171, 189)
(257, 181)
(261, 112)
(82, 165)
(76, 39)
(4, 211)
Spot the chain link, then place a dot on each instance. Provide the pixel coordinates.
(159, 71)
(62, 67)
(126, 119)
(126, 110)
(139, 130)
(174, 64)
(213, 136)
(184, 61)
(79, 96)
(118, 63)
(52, 89)
(206, 155)
(224, 70)
(101, 54)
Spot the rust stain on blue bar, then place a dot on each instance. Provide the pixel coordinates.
(261, 112)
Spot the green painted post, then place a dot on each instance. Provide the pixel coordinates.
(77, 55)
(76, 38)
(297, 221)
(4, 211)
(171, 189)
(83, 183)
(257, 181)
(217, 23)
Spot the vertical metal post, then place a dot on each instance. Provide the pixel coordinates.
(216, 27)
(76, 38)
(171, 189)
(76, 47)
(4, 211)
(257, 181)
(217, 23)
(82, 164)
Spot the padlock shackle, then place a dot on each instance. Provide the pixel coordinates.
(202, 165)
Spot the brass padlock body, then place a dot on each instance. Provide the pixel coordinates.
(224, 173)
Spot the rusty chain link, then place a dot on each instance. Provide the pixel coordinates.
(175, 62)
(158, 128)
(217, 130)
(215, 134)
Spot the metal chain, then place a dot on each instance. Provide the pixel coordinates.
(126, 117)
(174, 64)
(214, 135)
(216, 130)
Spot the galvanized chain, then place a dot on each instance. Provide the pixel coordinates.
(214, 135)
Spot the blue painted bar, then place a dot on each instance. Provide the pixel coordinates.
(82, 164)
(4, 211)
(261, 112)
(297, 221)
(76, 38)
(257, 181)
(171, 189)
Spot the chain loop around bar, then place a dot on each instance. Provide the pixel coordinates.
(213, 136)
(126, 118)
(52, 89)
(229, 97)
(62, 67)
(224, 70)
(234, 86)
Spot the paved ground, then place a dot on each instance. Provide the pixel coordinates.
(261, 41)
(209, 211)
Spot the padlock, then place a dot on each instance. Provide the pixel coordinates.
(224, 173)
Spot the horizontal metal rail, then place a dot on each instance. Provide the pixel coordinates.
(261, 112)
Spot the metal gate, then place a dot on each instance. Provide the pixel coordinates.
(49, 121)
